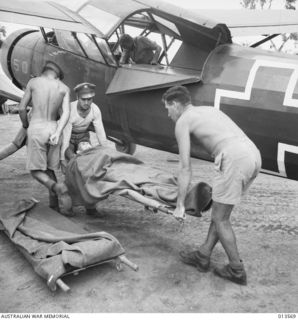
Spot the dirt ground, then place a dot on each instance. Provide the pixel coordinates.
(265, 223)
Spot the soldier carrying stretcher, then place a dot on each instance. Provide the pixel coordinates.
(48, 95)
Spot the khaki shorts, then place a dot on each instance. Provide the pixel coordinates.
(236, 166)
(40, 154)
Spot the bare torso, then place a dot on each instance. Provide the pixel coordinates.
(209, 127)
(47, 97)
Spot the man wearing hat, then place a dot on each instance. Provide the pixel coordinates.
(83, 112)
(49, 98)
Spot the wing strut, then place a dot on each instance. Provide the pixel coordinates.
(264, 40)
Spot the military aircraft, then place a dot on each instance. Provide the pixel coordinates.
(256, 88)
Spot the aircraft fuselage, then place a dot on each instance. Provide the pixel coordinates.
(257, 89)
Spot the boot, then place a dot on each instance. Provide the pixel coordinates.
(196, 259)
(65, 202)
(235, 274)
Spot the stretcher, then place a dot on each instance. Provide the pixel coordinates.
(56, 246)
(100, 172)
(93, 168)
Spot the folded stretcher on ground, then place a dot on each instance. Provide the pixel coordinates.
(53, 244)
(100, 172)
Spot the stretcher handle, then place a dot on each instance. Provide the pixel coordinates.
(132, 265)
(62, 285)
(53, 284)
(136, 196)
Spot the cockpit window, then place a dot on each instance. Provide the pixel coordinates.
(155, 28)
(67, 41)
(90, 47)
(82, 44)
(102, 20)
(105, 50)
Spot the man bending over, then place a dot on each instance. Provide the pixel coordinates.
(237, 163)
(83, 112)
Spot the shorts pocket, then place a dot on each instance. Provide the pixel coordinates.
(218, 162)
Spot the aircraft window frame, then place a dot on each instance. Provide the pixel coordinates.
(49, 36)
(67, 41)
(88, 50)
(75, 46)
(147, 27)
(100, 19)
(166, 24)
(105, 50)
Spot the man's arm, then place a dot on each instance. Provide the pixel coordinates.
(124, 56)
(184, 176)
(54, 139)
(153, 46)
(23, 106)
(99, 128)
(156, 54)
(65, 140)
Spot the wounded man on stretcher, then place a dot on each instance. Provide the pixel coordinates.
(99, 172)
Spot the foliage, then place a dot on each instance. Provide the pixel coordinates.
(265, 5)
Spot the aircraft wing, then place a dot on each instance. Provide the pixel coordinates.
(255, 22)
(43, 14)
(137, 78)
(8, 89)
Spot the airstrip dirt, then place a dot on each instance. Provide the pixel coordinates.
(266, 225)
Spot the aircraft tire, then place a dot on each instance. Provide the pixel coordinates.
(126, 147)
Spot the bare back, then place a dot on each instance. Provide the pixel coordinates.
(209, 127)
(47, 96)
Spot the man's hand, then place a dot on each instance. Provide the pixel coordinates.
(54, 138)
(179, 214)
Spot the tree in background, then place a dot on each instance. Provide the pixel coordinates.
(265, 5)
(255, 4)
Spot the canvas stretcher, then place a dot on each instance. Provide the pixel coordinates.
(55, 245)
(100, 172)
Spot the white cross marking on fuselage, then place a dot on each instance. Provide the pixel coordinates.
(288, 98)
(288, 101)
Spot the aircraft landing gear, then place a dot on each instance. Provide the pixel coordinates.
(126, 147)
(123, 145)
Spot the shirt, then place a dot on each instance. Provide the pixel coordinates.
(142, 52)
(78, 124)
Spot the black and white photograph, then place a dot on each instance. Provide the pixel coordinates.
(149, 159)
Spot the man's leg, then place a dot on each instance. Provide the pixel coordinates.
(220, 230)
(58, 189)
(234, 271)
(201, 258)
(221, 218)
(43, 178)
(53, 199)
(212, 238)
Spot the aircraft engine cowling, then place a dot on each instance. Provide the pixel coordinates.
(17, 53)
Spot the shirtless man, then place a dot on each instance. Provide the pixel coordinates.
(237, 163)
(83, 112)
(48, 95)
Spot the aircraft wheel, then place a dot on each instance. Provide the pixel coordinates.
(126, 147)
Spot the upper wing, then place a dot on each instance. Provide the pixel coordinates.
(42, 14)
(255, 22)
